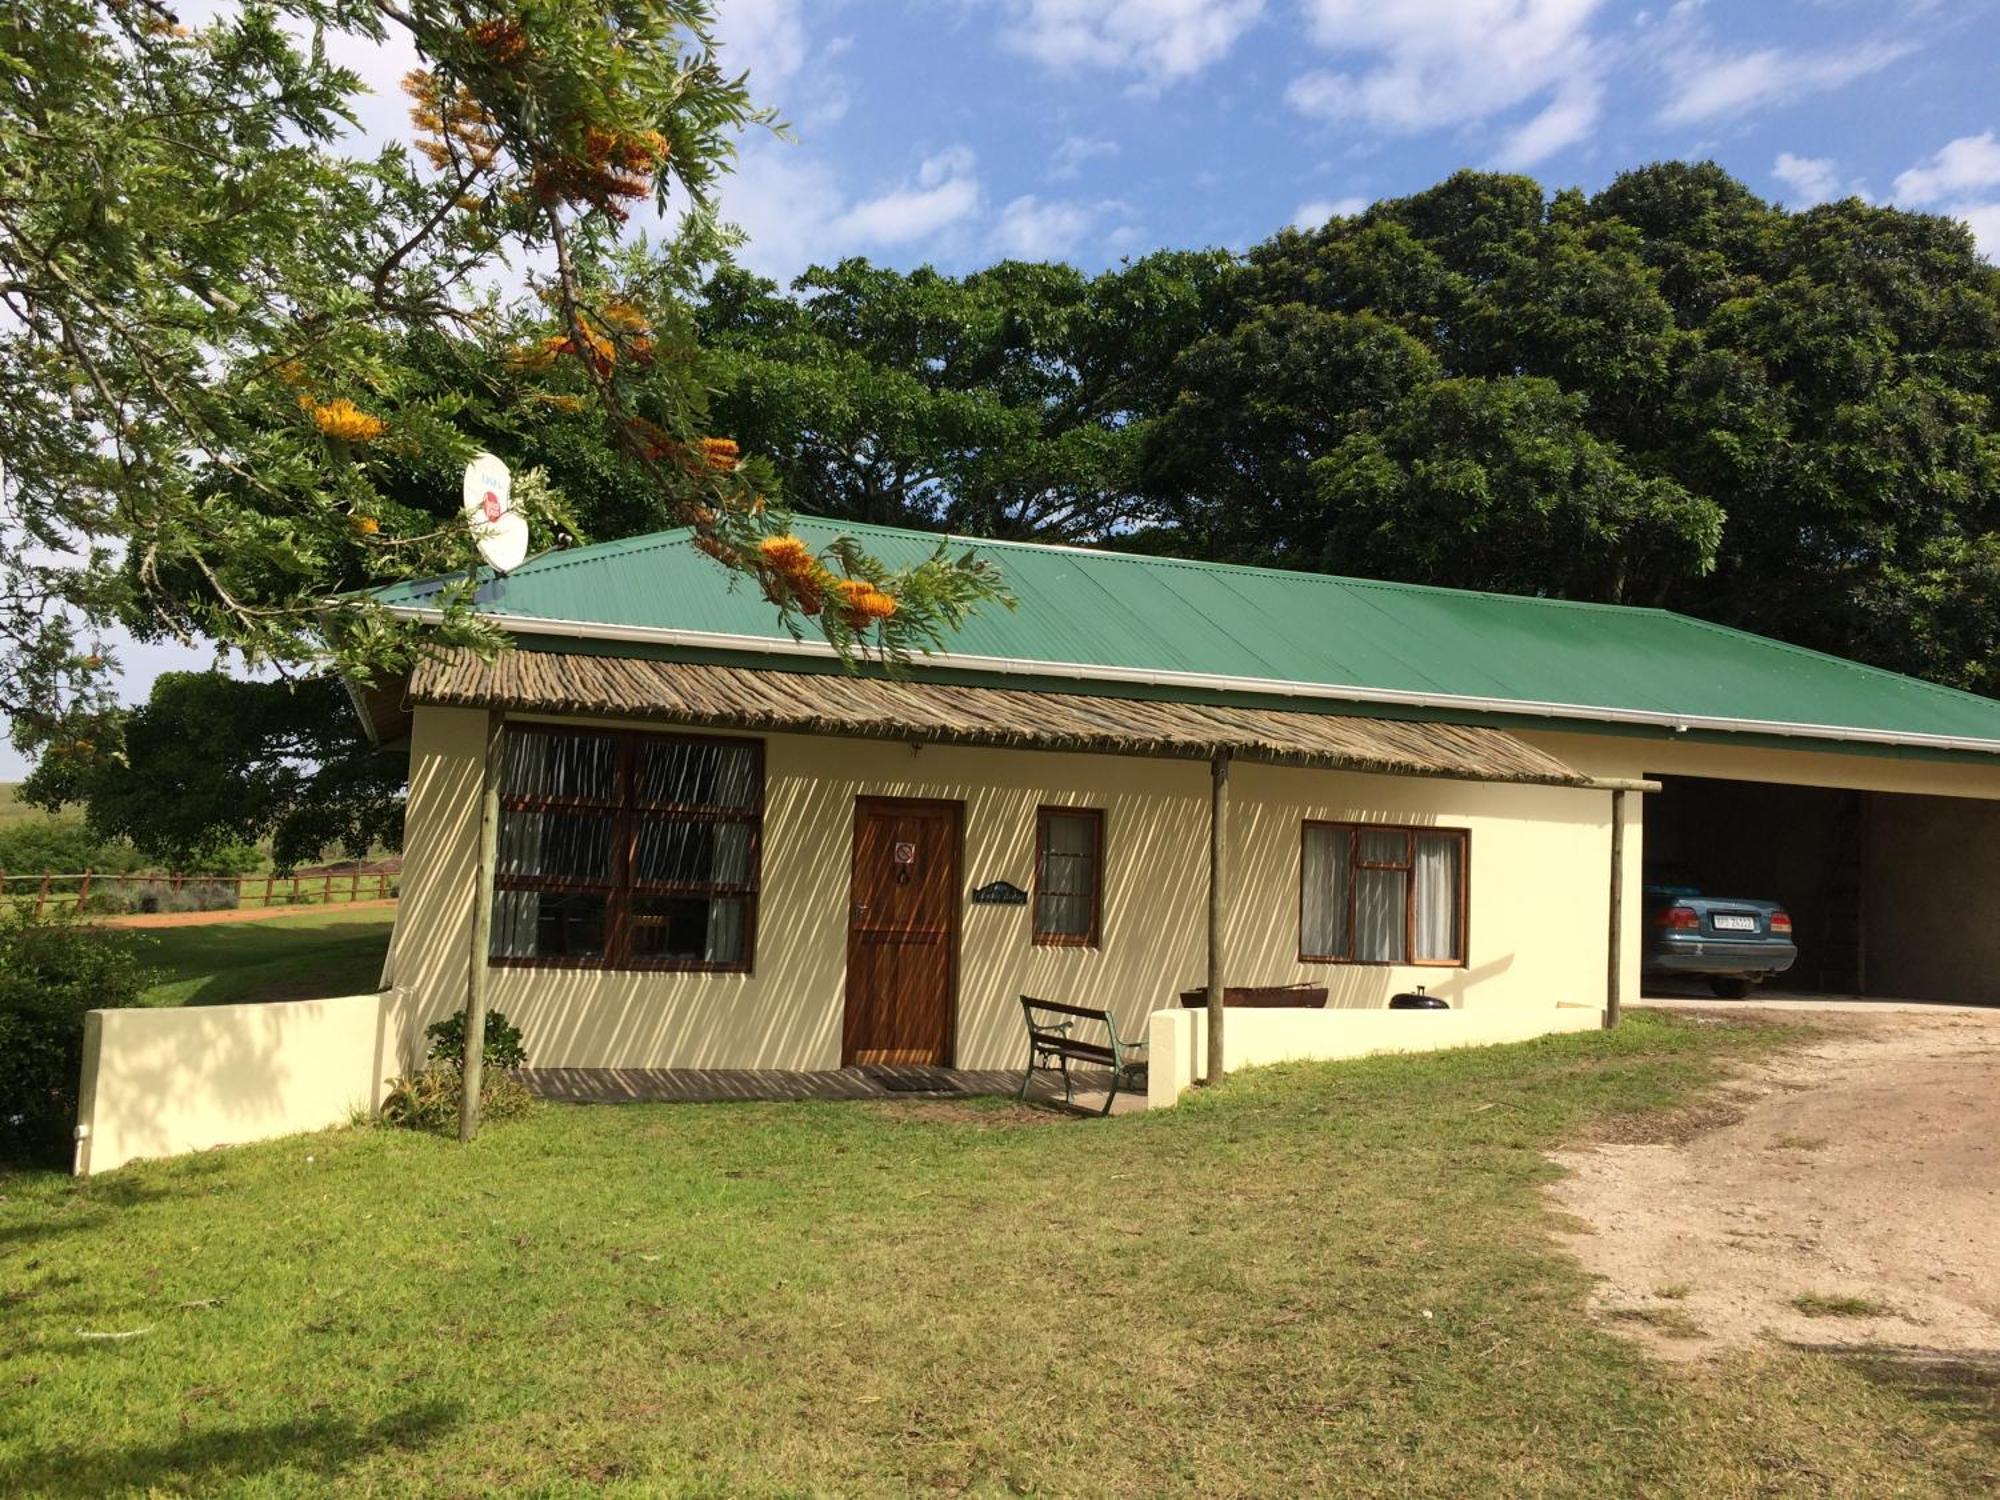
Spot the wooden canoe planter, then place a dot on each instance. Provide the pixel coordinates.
(1262, 996)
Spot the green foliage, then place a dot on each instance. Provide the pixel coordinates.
(235, 359)
(999, 404)
(51, 973)
(430, 1100)
(1667, 393)
(209, 765)
(502, 1047)
(62, 844)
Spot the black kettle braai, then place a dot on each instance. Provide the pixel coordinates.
(1418, 1001)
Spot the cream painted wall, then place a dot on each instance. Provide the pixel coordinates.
(1539, 900)
(1177, 1057)
(1627, 755)
(161, 1080)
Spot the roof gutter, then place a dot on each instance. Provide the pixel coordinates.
(711, 640)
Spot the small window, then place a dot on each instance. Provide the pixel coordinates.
(1069, 876)
(627, 851)
(1375, 895)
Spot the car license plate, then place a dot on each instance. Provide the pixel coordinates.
(1724, 922)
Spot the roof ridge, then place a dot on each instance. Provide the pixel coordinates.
(1209, 565)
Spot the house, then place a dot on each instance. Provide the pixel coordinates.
(717, 847)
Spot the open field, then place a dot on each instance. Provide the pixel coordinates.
(335, 951)
(1334, 1277)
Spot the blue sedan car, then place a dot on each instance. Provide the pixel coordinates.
(1732, 943)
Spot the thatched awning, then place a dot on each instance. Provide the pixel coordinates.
(939, 713)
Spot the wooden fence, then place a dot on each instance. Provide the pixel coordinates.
(309, 888)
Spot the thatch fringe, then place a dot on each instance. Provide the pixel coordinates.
(943, 713)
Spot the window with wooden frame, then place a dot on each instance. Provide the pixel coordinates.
(621, 850)
(1069, 876)
(1370, 894)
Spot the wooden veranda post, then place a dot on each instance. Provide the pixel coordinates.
(1614, 979)
(1218, 903)
(473, 1064)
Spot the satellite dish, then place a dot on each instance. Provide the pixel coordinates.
(499, 530)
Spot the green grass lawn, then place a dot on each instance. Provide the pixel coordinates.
(327, 952)
(1331, 1278)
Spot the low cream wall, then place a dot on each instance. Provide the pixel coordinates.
(162, 1081)
(1539, 900)
(1177, 1050)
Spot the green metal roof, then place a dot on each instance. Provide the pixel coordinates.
(1174, 626)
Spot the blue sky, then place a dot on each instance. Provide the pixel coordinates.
(956, 132)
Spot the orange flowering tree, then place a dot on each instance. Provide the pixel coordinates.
(220, 353)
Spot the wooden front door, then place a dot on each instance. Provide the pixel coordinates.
(902, 932)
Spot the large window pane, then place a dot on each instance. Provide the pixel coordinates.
(1438, 883)
(575, 846)
(1379, 935)
(1068, 860)
(683, 851)
(697, 773)
(559, 765)
(689, 929)
(548, 924)
(1382, 846)
(594, 824)
(1325, 873)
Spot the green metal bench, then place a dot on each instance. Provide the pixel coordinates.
(1053, 1044)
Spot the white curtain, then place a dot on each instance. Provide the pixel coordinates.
(725, 930)
(1069, 875)
(516, 914)
(1324, 874)
(1438, 882)
(1378, 915)
(726, 913)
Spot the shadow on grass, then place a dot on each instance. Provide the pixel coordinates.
(1961, 1386)
(321, 1448)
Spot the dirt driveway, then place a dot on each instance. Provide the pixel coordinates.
(1846, 1193)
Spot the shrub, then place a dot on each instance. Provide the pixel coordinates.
(62, 845)
(503, 1047)
(429, 1100)
(161, 896)
(51, 972)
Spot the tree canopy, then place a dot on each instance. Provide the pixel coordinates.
(1668, 393)
(225, 330)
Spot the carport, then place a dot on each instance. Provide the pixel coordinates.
(1892, 894)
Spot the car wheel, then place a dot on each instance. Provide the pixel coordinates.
(1732, 986)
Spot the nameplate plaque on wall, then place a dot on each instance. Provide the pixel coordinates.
(999, 893)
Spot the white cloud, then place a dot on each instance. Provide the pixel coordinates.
(1423, 65)
(1706, 84)
(1812, 179)
(1319, 210)
(1959, 179)
(795, 211)
(1983, 219)
(1966, 165)
(768, 37)
(788, 67)
(1032, 228)
(1075, 153)
(1162, 41)
(946, 191)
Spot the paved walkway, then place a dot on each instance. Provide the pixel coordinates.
(715, 1085)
